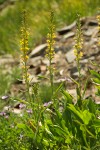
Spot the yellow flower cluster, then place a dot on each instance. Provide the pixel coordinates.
(78, 55)
(24, 44)
(24, 47)
(78, 41)
(98, 19)
(50, 39)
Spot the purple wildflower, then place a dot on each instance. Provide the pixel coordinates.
(6, 116)
(5, 97)
(22, 105)
(2, 113)
(47, 104)
(29, 111)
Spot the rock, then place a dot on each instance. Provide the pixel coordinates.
(89, 32)
(69, 35)
(38, 70)
(57, 48)
(73, 70)
(92, 23)
(60, 80)
(70, 56)
(43, 68)
(66, 29)
(61, 72)
(17, 111)
(35, 61)
(92, 58)
(7, 56)
(93, 41)
(83, 20)
(76, 74)
(83, 61)
(39, 50)
(7, 61)
(45, 61)
(98, 102)
(33, 79)
(73, 92)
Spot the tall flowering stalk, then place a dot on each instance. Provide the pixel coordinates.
(50, 48)
(78, 53)
(24, 50)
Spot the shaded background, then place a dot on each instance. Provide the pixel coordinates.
(38, 14)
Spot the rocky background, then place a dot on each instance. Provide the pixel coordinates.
(64, 61)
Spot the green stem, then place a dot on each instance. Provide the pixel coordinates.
(50, 63)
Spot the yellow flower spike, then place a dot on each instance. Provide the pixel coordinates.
(24, 51)
(50, 47)
(78, 41)
(79, 54)
(75, 52)
(23, 67)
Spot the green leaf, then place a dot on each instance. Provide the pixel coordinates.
(92, 106)
(21, 126)
(60, 131)
(95, 74)
(58, 89)
(87, 116)
(97, 123)
(49, 133)
(84, 116)
(0, 141)
(68, 97)
(77, 113)
(46, 142)
(96, 81)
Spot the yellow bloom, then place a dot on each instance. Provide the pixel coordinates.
(80, 55)
(78, 42)
(75, 52)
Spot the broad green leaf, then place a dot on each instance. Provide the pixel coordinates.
(77, 113)
(87, 116)
(21, 126)
(84, 116)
